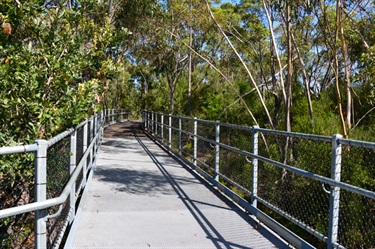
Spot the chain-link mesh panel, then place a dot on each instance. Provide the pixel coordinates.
(93, 128)
(16, 188)
(358, 167)
(303, 153)
(58, 173)
(56, 226)
(89, 133)
(357, 213)
(79, 144)
(232, 164)
(236, 136)
(166, 129)
(206, 129)
(299, 197)
(79, 182)
(296, 196)
(206, 149)
(235, 167)
(356, 221)
(175, 133)
(187, 138)
(158, 125)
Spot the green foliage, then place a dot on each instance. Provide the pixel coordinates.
(58, 64)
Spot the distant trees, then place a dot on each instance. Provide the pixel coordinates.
(299, 58)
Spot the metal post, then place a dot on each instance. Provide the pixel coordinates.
(85, 134)
(195, 141)
(152, 123)
(40, 192)
(73, 155)
(93, 124)
(156, 124)
(162, 128)
(179, 135)
(217, 150)
(334, 203)
(254, 163)
(148, 121)
(128, 116)
(92, 134)
(170, 131)
(92, 129)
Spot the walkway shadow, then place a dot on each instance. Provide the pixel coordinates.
(124, 130)
(211, 231)
(134, 181)
(146, 182)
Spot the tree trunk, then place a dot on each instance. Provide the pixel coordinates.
(347, 67)
(337, 69)
(190, 65)
(288, 103)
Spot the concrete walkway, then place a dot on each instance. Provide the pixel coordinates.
(140, 197)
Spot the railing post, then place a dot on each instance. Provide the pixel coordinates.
(217, 150)
(148, 121)
(254, 163)
(128, 116)
(73, 155)
(156, 124)
(85, 134)
(40, 192)
(162, 128)
(92, 134)
(152, 124)
(170, 131)
(334, 203)
(179, 135)
(195, 141)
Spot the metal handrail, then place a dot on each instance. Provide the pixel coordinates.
(40, 148)
(30, 207)
(151, 124)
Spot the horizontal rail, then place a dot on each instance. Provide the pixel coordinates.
(174, 140)
(305, 173)
(296, 134)
(361, 144)
(18, 149)
(54, 201)
(59, 137)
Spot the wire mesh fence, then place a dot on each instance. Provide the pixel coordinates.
(175, 133)
(357, 213)
(58, 174)
(19, 227)
(287, 164)
(187, 139)
(16, 188)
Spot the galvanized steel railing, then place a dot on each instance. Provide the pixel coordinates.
(63, 166)
(324, 185)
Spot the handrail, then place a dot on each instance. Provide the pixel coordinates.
(168, 130)
(18, 149)
(90, 134)
(30, 207)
